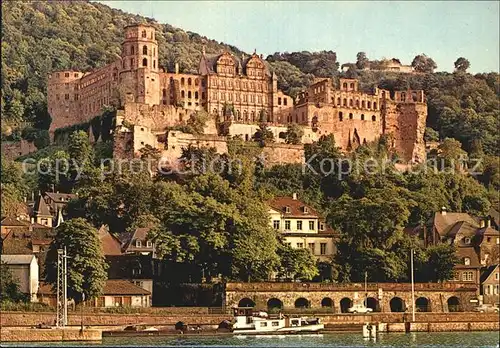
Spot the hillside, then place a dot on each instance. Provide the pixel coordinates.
(41, 37)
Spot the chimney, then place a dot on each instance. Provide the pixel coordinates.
(488, 222)
(32, 220)
(203, 50)
(443, 211)
(176, 68)
(294, 196)
(483, 224)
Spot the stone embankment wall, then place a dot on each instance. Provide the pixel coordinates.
(49, 335)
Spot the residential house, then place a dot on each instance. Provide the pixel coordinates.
(116, 293)
(49, 208)
(137, 242)
(24, 269)
(302, 227)
(11, 224)
(490, 280)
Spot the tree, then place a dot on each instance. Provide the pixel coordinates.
(263, 135)
(87, 268)
(9, 288)
(296, 263)
(431, 134)
(294, 134)
(436, 263)
(423, 64)
(362, 61)
(462, 64)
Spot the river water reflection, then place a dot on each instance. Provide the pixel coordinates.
(421, 339)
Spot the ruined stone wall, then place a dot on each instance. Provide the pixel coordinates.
(153, 117)
(12, 150)
(176, 141)
(282, 153)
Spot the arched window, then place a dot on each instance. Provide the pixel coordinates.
(302, 303)
(216, 112)
(345, 304)
(350, 116)
(422, 304)
(132, 50)
(345, 85)
(369, 105)
(363, 104)
(245, 115)
(327, 302)
(182, 94)
(145, 62)
(195, 95)
(182, 81)
(253, 116)
(144, 49)
(144, 33)
(154, 63)
(375, 105)
(352, 85)
(189, 94)
(357, 103)
(362, 117)
(338, 101)
(374, 118)
(397, 304)
(466, 261)
(350, 102)
(189, 82)
(453, 304)
(246, 302)
(274, 302)
(196, 82)
(345, 102)
(132, 63)
(341, 116)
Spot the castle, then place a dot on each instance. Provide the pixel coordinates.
(240, 93)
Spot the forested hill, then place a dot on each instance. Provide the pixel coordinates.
(41, 37)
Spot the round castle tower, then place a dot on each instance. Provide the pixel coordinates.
(140, 80)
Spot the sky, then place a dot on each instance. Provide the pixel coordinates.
(444, 30)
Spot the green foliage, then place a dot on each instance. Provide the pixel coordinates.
(435, 264)
(263, 135)
(9, 288)
(462, 64)
(14, 188)
(87, 268)
(361, 60)
(423, 64)
(320, 64)
(431, 134)
(297, 264)
(294, 134)
(291, 79)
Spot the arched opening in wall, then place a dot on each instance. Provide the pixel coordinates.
(196, 82)
(345, 304)
(132, 50)
(327, 302)
(238, 115)
(189, 94)
(164, 93)
(145, 62)
(183, 94)
(371, 302)
(246, 302)
(341, 116)
(338, 101)
(282, 135)
(362, 117)
(245, 115)
(345, 102)
(189, 81)
(182, 81)
(374, 118)
(369, 104)
(350, 116)
(273, 302)
(454, 304)
(357, 103)
(195, 95)
(375, 105)
(422, 304)
(363, 104)
(344, 85)
(144, 33)
(144, 49)
(397, 304)
(302, 303)
(154, 63)
(352, 85)
(252, 114)
(351, 102)
(132, 63)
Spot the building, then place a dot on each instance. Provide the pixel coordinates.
(49, 209)
(24, 269)
(116, 293)
(490, 280)
(302, 227)
(239, 92)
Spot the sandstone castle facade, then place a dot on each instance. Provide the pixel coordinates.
(240, 93)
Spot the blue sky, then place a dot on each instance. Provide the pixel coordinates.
(444, 30)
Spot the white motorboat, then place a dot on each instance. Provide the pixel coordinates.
(247, 321)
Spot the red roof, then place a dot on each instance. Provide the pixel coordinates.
(296, 208)
(123, 287)
(110, 244)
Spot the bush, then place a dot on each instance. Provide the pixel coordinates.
(25, 307)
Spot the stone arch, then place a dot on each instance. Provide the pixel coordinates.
(327, 302)
(375, 105)
(274, 302)
(372, 302)
(422, 304)
(341, 116)
(132, 50)
(182, 81)
(145, 62)
(302, 302)
(454, 304)
(362, 117)
(190, 81)
(282, 135)
(183, 94)
(363, 104)
(397, 304)
(345, 304)
(351, 116)
(246, 302)
(369, 104)
(374, 118)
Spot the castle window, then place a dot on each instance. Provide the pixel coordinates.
(345, 102)
(189, 94)
(350, 116)
(189, 81)
(132, 50)
(362, 117)
(66, 74)
(132, 63)
(357, 103)
(375, 105)
(183, 94)
(182, 81)
(369, 105)
(279, 101)
(154, 63)
(154, 51)
(253, 116)
(374, 118)
(216, 112)
(164, 93)
(350, 102)
(344, 85)
(363, 104)
(352, 85)
(144, 49)
(144, 33)
(144, 62)
(202, 95)
(195, 95)
(284, 101)
(245, 115)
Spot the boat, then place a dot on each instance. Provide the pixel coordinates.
(247, 321)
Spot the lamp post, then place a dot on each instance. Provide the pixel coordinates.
(412, 288)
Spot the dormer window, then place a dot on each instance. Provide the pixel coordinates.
(306, 210)
(138, 244)
(466, 261)
(287, 209)
(149, 244)
(321, 226)
(467, 240)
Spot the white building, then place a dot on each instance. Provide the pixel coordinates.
(302, 227)
(24, 269)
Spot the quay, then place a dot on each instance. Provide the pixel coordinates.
(67, 334)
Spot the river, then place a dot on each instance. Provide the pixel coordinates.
(419, 339)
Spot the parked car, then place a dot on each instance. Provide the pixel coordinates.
(359, 308)
(486, 308)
